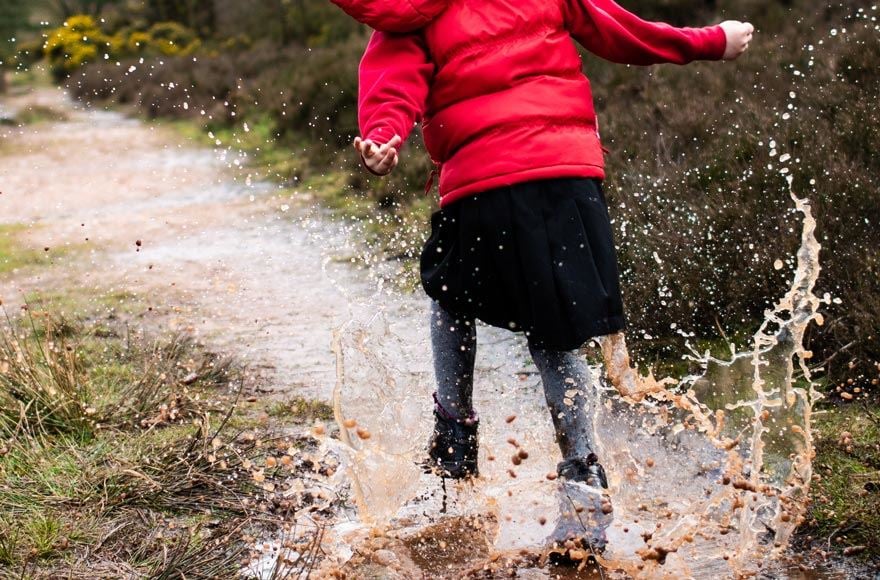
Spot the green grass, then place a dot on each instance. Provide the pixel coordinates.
(34, 77)
(845, 492)
(301, 410)
(121, 454)
(36, 114)
(13, 254)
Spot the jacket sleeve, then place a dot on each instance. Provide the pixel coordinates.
(395, 74)
(608, 30)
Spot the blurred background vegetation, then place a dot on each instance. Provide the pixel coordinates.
(697, 167)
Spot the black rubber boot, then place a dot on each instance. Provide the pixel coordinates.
(585, 470)
(453, 447)
(585, 509)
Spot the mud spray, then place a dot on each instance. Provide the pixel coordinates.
(709, 474)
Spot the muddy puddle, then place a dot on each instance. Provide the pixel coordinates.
(708, 473)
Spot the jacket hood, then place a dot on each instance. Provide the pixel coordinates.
(393, 15)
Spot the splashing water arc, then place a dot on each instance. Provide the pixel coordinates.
(709, 474)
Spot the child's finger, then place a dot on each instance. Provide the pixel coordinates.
(395, 141)
(392, 144)
(388, 160)
(369, 149)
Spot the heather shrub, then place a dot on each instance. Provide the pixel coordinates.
(697, 185)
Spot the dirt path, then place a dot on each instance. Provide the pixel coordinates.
(225, 260)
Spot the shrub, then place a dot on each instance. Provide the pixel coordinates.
(172, 39)
(78, 41)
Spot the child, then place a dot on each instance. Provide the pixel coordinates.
(522, 239)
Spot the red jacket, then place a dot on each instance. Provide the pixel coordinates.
(498, 84)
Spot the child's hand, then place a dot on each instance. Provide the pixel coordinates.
(380, 159)
(739, 35)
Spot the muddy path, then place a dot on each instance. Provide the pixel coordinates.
(123, 208)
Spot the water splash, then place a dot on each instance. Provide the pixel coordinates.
(738, 437)
(709, 474)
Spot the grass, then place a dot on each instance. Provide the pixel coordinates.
(13, 254)
(301, 410)
(36, 114)
(133, 457)
(845, 493)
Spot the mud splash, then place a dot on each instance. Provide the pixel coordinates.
(738, 437)
(709, 473)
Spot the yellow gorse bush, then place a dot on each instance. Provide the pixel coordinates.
(172, 39)
(81, 40)
(78, 41)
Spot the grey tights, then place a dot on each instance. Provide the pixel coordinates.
(565, 376)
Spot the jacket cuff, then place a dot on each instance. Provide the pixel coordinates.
(380, 135)
(714, 44)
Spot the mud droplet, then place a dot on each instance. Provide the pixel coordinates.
(552, 475)
(649, 462)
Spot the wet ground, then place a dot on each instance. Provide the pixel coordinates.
(124, 208)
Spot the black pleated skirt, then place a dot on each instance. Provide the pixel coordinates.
(536, 257)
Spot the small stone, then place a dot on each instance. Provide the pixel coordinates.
(385, 557)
